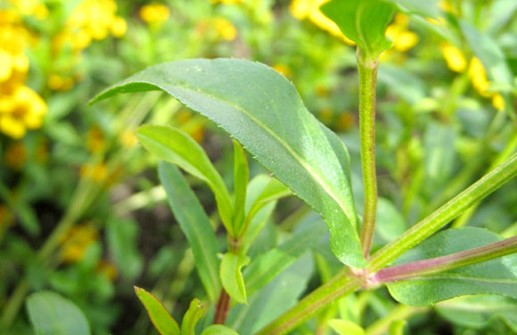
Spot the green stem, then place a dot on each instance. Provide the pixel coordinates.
(444, 263)
(344, 283)
(443, 215)
(367, 84)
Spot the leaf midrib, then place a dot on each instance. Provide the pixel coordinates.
(327, 188)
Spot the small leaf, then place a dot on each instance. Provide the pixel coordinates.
(51, 314)
(219, 330)
(240, 181)
(497, 276)
(160, 317)
(269, 119)
(195, 312)
(231, 276)
(176, 146)
(364, 22)
(397, 327)
(195, 224)
(345, 327)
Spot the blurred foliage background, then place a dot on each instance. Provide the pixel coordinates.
(80, 212)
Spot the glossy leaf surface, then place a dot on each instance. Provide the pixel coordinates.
(51, 314)
(262, 110)
(497, 276)
(160, 317)
(195, 224)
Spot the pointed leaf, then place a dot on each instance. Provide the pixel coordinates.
(263, 111)
(195, 224)
(364, 22)
(195, 312)
(51, 314)
(231, 276)
(497, 276)
(176, 146)
(219, 330)
(160, 317)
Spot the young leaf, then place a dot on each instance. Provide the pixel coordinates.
(496, 276)
(195, 312)
(176, 146)
(160, 317)
(345, 327)
(196, 226)
(218, 330)
(269, 119)
(51, 314)
(231, 276)
(240, 180)
(364, 22)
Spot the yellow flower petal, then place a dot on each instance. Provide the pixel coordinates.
(453, 57)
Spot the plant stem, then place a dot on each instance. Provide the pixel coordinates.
(443, 215)
(449, 262)
(342, 284)
(367, 89)
(221, 309)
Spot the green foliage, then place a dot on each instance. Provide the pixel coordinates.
(51, 314)
(491, 277)
(162, 320)
(231, 276)
(364, 22)
(268, 123)
(195, 225)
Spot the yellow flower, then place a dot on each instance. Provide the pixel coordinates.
(77, 241)
(225, 29)
(154, 14)
(283, 69)
(33, 8)
(453, 57)
(403, 39)
(22, 110)
(310, 9)
(95, 172)
(498, 102)
(60, 83)
(478, 78)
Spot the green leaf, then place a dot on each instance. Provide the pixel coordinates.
(397, 327)
(176, 146)
(428, 8)
(160, 317)
(274, 299)
(269, 119)
(51, 314)
(477, 312)
(241, 175)
(345, 327)
(195, 312)
(195, 224)
(219, 330)
(364, 22)
(496, 276)
(122, 236)
(268, 265)
(231, 276)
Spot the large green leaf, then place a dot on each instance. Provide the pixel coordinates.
(51, 314)
(176, 146)
(241, 176)
(427, 8)
(497, 276)
(195, 224)
(263, 111)
(364, 22)
(160, 317)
